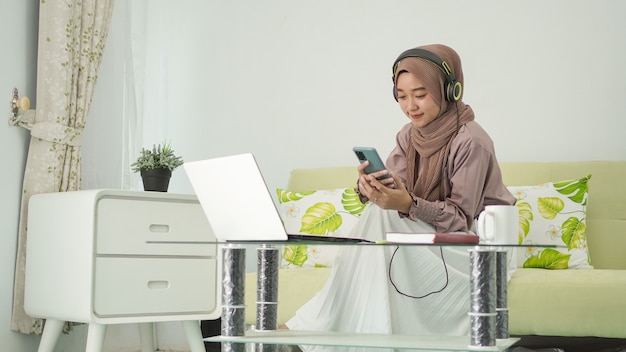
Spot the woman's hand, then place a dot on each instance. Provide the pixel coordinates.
(388, 182)
(387, 193)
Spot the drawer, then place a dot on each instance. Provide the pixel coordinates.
(155, 286)
(152, 227)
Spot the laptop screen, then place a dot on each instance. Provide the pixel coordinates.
(235, 198)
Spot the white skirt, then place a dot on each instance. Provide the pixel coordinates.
(422, 291)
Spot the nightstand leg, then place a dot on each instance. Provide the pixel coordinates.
(95, 337)
(51, 332)
(194, 335)
(146, 336)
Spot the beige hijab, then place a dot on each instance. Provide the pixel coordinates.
(431, 143)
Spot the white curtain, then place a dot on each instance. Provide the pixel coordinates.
(146, 85)
(72, 37)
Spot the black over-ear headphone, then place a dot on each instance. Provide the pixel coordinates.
(452, 88)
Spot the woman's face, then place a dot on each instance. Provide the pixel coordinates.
(416, 103)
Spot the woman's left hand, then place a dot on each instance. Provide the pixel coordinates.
(387, 195)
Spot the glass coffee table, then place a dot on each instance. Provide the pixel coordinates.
(488, 311)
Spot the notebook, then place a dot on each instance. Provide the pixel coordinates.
(433, 237)
(238, 204)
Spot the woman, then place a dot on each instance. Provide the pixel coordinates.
(444, 172)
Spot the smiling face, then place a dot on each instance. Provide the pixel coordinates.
(416, 103)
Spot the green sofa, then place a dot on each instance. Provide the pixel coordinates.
(542, 302)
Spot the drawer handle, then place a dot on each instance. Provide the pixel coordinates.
(158, 284)
(160, 228)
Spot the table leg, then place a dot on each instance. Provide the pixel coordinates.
(482, 297)
(95, 337)
(146, 336)
(194, 335)
(233, 291)
(51, 332)
(502, 309)
(267, 293)
(267, 288)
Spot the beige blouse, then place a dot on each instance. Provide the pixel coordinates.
(472, 180)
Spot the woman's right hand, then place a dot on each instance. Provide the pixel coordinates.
(387, 193)
(387, 182)
(365, 182)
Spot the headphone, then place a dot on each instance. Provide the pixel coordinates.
(452, 88)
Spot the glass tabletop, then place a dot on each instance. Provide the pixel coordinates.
(353, 243)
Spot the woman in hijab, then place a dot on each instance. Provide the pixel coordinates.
(444, 172)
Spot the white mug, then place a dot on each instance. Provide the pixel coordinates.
(498, 224)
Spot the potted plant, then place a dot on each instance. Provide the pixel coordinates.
(156, 165)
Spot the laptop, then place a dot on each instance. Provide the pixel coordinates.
(237, 202)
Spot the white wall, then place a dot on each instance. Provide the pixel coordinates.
(18, 35)
(299, 83)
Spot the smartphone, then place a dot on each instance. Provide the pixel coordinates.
(370, 154)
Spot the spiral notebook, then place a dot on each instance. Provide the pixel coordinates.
(237, 202)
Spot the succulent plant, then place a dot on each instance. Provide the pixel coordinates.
(159, 157)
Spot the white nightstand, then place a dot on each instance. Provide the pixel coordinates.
(110, 257)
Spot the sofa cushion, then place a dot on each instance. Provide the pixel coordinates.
(568, 302)
(605, 212)
(553, 213)
(327, 212)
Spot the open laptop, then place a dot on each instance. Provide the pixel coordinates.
(238, 204)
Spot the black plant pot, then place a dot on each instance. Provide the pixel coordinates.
(156, 179)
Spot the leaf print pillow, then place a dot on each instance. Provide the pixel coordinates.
(553, 213)
(330, 212)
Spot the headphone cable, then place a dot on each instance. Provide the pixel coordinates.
(445, 267)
